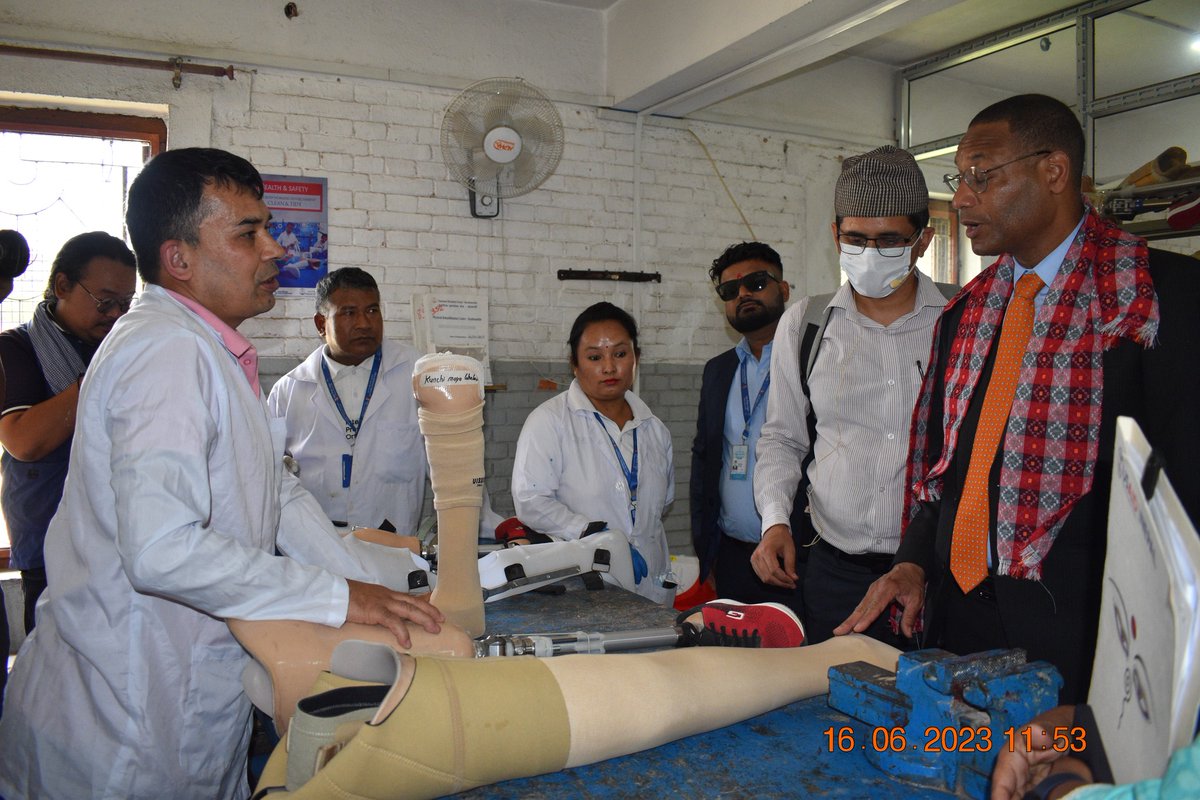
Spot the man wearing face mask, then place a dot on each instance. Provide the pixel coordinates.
(845, 372)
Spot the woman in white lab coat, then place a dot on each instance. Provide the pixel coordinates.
(595, 456)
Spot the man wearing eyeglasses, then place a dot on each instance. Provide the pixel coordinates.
(1013, 434)
(726, 526)
(837, 421)
(91, 285)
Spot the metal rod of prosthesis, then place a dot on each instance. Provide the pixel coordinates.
(558, 644)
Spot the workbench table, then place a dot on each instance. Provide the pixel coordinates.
(784, 753)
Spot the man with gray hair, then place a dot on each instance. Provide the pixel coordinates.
(845, 372)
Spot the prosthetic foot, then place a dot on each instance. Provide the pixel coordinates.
(449, 389)
(728, 623)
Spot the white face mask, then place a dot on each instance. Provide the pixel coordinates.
(875, 275)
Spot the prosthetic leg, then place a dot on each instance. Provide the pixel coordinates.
(450, 391)
(442, 726)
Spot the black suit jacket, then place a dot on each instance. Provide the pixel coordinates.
(1056, 619)
(719, 375)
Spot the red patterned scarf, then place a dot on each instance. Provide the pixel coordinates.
(1101, 293)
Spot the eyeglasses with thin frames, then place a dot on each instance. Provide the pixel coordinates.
(890, 246)
(754, 282)
(977, 179)
(108, 304)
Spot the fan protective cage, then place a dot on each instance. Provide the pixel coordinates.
(501, 103)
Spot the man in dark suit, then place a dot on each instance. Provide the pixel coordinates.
(725, 525)
(1011, 535)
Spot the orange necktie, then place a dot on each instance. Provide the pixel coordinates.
(968, 546)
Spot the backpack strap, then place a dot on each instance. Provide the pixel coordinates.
(816, 317)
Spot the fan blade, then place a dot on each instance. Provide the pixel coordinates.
(463, 128)
(536, 134)
(525, 169)
(498, 108)
(483, 169)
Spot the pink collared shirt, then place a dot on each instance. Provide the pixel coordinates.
(237, 345)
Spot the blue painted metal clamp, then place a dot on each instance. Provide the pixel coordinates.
(941, 719)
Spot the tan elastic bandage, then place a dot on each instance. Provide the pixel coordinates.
(461, 724)
(454, 445)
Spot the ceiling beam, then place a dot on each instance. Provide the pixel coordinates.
(808, 34)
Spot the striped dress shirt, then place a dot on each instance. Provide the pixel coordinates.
(864, 385)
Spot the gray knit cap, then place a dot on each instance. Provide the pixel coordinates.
(885, 182)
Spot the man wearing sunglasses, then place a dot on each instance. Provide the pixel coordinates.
(726, 526)
(845, 373)
(1013, 434)
(91, 285)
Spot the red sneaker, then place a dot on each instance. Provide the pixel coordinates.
(728, 623)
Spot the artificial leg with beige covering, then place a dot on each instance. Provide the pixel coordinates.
(446, 725)
(290, 655)
(449, 389)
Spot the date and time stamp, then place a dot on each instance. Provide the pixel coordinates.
(940, 739)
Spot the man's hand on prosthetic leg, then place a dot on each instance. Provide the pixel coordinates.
(378, 605)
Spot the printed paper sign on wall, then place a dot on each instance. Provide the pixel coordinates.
(300, 223)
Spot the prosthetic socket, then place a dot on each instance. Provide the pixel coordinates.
(449, 389)
(290, 656)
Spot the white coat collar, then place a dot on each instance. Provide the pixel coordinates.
(579, 403)
(394, 355)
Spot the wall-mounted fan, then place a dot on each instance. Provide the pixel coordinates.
(501, 137)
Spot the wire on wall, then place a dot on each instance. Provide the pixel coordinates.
(724, 185)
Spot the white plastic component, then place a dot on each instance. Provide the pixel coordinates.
(524, 568)
(686, 569)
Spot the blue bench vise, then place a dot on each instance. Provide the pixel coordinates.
(940, 720)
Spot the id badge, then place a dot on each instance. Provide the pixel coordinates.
(739, 454)
(347, 465)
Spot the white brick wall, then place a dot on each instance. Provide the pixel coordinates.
(395, 212)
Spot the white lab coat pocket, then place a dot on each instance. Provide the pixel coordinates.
(400, 454)
(215, 728)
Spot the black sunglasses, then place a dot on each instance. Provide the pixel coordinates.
(755, 282)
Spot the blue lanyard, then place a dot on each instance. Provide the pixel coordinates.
(747, 411)
(631, 475)
(352, 425)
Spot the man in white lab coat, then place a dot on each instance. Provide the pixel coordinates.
(350, 413)
(175, 502)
